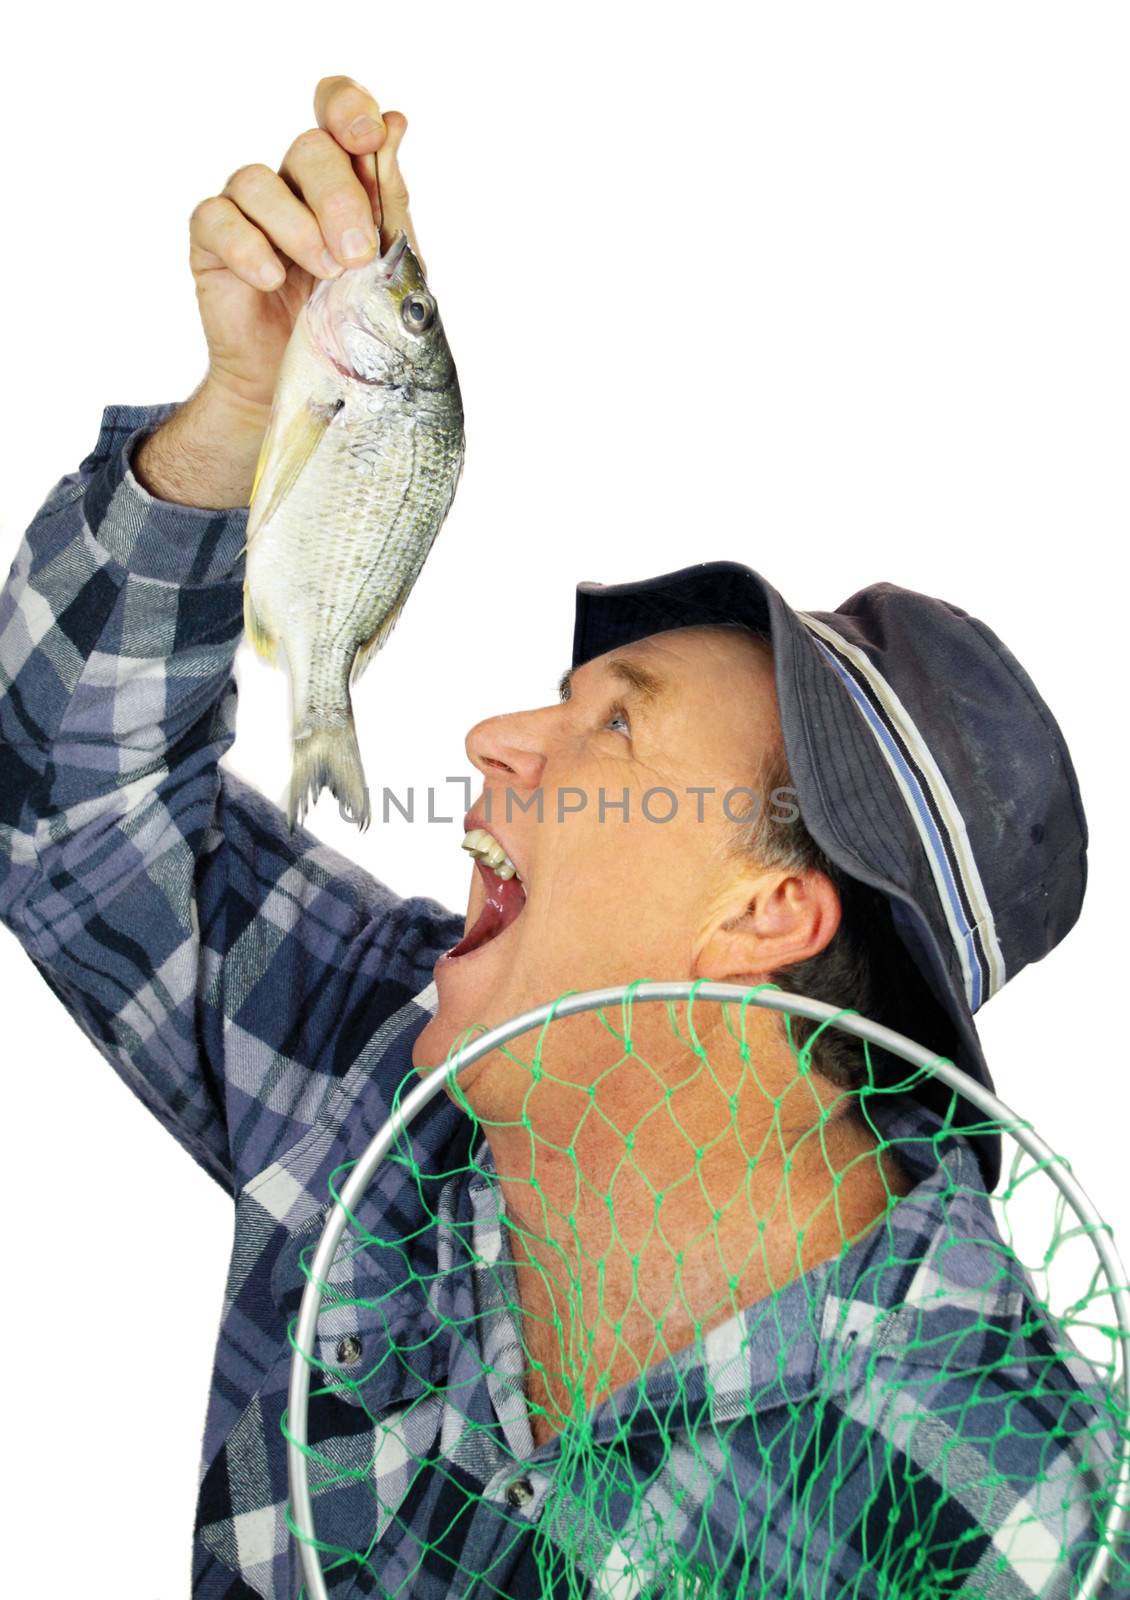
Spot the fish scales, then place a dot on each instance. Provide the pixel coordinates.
(360, 465)
(359, 545)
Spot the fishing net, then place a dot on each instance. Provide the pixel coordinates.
(634, 1298)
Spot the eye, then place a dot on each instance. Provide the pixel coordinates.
(418, 311)
(619, 715)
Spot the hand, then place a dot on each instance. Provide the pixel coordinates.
(256, 252)
(259, 247)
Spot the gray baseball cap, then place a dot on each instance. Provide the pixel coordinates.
(926, 765)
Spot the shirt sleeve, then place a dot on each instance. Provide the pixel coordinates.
(229, 970)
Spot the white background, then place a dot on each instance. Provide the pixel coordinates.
(837, 291)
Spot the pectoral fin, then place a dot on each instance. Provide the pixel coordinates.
(264, 644)
(291, 453)
(264, 451)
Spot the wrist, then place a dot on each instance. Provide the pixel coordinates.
(206, 453)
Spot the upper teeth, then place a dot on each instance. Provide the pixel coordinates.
(486, 848)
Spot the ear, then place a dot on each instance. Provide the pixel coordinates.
(772, 920)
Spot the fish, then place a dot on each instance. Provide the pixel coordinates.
(359, 465)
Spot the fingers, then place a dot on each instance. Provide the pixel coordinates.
(221, 236)
(345, 109)
(337, 197)
(317, 169)
(349, 112)
(393, 190)
(266, 200)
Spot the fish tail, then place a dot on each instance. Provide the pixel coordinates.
(328, 757)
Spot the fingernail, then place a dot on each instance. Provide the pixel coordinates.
(363, 127)
(331, 266)
(355, 244)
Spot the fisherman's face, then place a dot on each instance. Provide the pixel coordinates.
(612, 893)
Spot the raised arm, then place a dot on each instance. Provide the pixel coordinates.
(229, 970)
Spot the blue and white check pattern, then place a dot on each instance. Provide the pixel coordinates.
(260, 993)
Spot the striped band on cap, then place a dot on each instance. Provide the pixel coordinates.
(939, 822)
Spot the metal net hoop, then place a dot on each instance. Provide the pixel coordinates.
(1071, 1195)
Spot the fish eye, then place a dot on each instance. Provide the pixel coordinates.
(418, 312)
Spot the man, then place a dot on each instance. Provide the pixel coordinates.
(267, 999)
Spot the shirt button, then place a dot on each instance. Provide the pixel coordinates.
(349, 1350)
(519, 1493)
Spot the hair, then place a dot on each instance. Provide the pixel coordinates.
(844, 972)
(864, 967)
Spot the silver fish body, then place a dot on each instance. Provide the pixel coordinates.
(359, 467)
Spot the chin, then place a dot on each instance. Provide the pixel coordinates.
(467, 998)
(432, 1045)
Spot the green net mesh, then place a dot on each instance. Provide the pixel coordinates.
(662, 1309)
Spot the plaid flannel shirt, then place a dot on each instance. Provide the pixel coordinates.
(261, 993)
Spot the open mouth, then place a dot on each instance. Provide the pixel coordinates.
(505, 895)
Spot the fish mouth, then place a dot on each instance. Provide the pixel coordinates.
(387, 264)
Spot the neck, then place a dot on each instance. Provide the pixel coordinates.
(626, 1253)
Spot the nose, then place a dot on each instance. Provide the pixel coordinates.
(508, 749)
